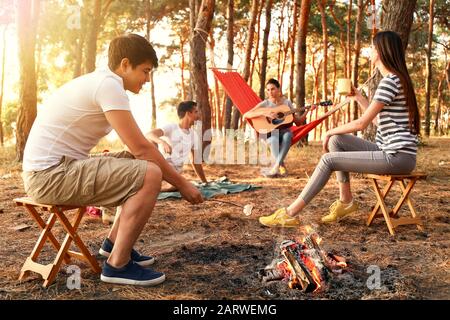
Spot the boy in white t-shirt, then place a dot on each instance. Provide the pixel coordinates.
(57, 168)
(181, 140)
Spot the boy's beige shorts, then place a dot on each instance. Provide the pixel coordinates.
(106, 179)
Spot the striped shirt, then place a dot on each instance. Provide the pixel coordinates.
(393, 134)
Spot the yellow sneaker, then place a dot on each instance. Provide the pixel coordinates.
(282, 170)
(339, 210)
(279, 218)
(272, 173)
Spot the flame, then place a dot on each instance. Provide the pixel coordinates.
(288, 274)
(285, 268)
(316, 278)
(314, 271)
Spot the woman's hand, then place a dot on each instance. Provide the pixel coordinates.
(325, 141)
(355, 95)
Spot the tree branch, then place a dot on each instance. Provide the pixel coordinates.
(105, 7)
(446, 46)
(331, 5)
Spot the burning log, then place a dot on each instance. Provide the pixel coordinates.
(300, 274)
(305, 265)
(331, 261)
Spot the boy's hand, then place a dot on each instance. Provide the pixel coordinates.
(191, 193)
(272, 115)
(167, 147)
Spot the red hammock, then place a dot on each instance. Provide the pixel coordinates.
(244, 98)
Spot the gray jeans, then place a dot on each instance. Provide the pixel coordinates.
(349, 153)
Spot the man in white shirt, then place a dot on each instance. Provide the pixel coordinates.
(58, 170)
(181, 140)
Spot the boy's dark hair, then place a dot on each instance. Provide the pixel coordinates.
(274, 82)
(132, 46)
(184, 107)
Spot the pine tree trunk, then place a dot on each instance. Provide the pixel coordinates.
(321, 5)
(230, 45)
(333, 87)
(99, 13)
(293, 39)
(370, 132)
(153, 99)
(280, 40)
(91, 48)
(256, 41)
(437, 130)
(182, 66)
(398, 17)
(429, 71)
(447, 74)
(27, 18)
(357, 50)
(79, 56)
(215, 106)
(248, 55)
(198, 62)
(285, 47)
(149, 27)
(79, 46)
(349, 48)
(2, 82)
(301, 49)
(194, 6)
(262, 78)
(344, 53)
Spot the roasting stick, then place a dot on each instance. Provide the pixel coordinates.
(247, 209)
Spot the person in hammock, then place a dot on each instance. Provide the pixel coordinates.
(394, 107)
(279, 139)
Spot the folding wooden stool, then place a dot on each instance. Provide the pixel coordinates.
(390, 216)
(50, 271)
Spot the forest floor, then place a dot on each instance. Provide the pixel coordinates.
(214, 251)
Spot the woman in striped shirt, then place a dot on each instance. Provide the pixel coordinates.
(394, 109)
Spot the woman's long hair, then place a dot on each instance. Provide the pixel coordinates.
(390, 49)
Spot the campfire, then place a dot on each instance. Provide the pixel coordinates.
(304, 264)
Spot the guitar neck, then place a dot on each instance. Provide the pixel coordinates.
(303, 109)
(297, 110)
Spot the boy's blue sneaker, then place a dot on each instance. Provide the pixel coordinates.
(140, 259)
(131, 273)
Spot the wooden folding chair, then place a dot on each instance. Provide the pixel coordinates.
(390, 216)
(50, 271)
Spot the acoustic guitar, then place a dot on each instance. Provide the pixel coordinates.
(284, 115)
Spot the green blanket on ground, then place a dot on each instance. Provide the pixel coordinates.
(220, 186)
